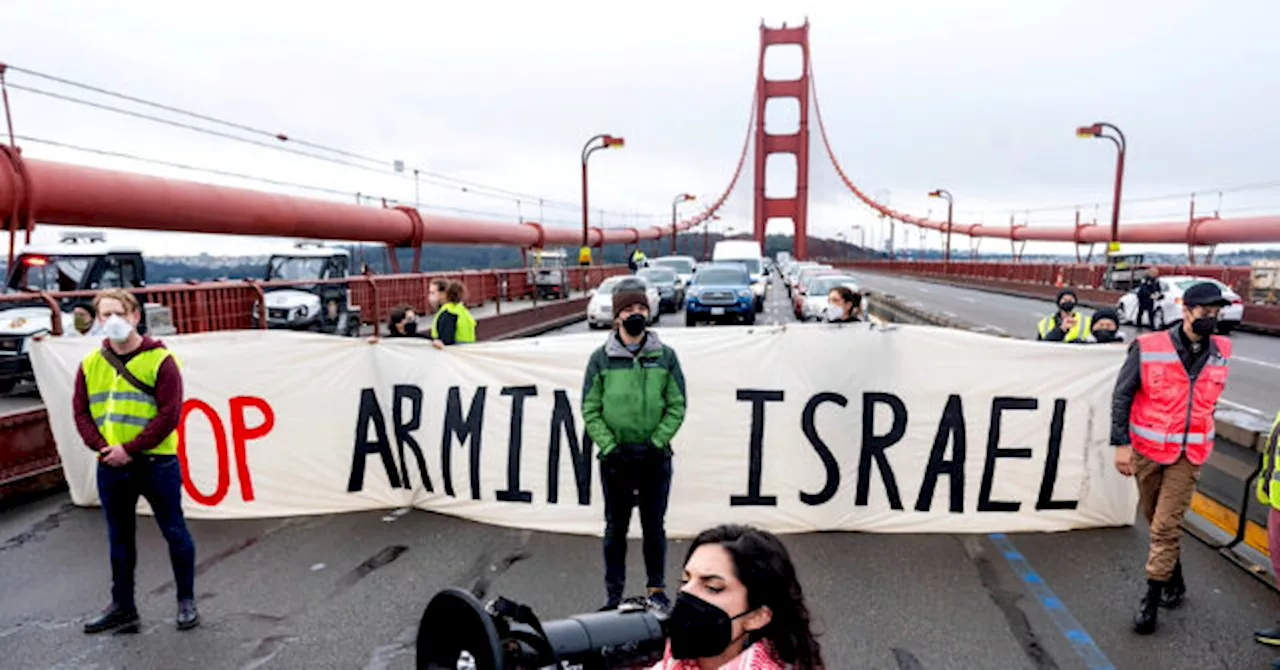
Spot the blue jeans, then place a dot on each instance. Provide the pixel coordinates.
(631, 477)
(159, 480)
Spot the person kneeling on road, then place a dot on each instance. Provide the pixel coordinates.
(633, 403)
(1106, 327)
(1162, 409)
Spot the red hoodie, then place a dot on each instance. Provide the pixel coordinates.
(168, 401)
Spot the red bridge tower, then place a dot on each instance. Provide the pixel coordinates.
(796, 207)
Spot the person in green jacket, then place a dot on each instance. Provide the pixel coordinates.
(453, 323)
(1269, 495)
(633, 403)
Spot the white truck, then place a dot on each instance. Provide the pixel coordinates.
(325, 308)
(77, 261)
(750, 254)
(548, 275)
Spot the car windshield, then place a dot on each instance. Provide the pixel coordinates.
(48, 273)
(658, 275)
(285, 268)
(752, 264)
(679, 265)
(821, 286)
(721, 276)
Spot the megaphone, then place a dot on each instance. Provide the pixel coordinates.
(457, 631)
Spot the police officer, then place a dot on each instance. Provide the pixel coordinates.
(127, 404)
(453, 323)
(1065, 325)
(1162, 427)
(1269, 495)
(637, 260)
(633, 403)
(1148, 292)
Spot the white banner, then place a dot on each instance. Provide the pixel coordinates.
(798, 428)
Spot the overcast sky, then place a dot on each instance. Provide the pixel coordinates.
(978, 97)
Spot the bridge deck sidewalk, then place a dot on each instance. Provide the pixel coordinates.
(314, 592)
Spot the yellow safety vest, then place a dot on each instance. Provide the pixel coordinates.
(120, 409)
(1079, 332)
(466, 329)
(1269, 477)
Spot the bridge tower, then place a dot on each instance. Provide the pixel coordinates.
(795, 208)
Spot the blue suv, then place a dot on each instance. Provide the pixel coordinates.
(720, 291)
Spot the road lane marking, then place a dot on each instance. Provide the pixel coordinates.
(1255, 361)
(1243, 408)
(1080, 640)
(971, 301)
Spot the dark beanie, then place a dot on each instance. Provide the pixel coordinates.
(627, 294)
(1106, 313)
(1066, 292)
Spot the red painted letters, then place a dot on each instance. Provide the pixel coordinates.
(241, 434)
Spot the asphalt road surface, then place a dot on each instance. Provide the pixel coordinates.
(1253, 387)
(347, 591)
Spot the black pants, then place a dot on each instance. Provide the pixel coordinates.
(159, 480)
(1145, 307)
(636, 476)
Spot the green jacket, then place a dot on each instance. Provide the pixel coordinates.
(636, 399)
(1269, 479)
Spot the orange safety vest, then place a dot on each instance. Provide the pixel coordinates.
(1172, 413)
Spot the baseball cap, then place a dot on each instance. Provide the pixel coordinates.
(1204, 293)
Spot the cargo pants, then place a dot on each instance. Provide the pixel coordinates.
(1165, 493)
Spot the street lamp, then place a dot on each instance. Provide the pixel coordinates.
(683, 197)
(942, 193)
(606, 142)
(893, 227)
(1098, 130)
(706, 236)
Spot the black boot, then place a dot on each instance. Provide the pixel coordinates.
(1176, 588)
(1144, 623)
(188, 616)
(611, 603)
(116, 619)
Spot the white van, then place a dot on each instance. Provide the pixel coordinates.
(749, 253)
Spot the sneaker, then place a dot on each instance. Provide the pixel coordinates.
(115, 619)
(612, 603)
(188, 616)
(658, 600)
(1270, 636)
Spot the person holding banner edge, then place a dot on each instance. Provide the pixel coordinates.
(633, 403)
(127, 405)
(1162, 409)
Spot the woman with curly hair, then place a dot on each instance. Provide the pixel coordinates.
(741, 607)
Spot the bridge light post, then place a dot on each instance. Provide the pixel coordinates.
(683, 197)
(606, 142)
(1099, 130)
(946, 253)
(706, 236)
(893, 227)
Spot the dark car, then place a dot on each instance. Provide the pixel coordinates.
(720, 291)
(670, 293)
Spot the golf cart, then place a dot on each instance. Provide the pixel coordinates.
(78, 261)
(548, 274)
(1124, 271)
(324, 308)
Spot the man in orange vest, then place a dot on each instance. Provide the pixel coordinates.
(1162, 427)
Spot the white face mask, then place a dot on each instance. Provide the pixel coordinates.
(833, 313)
(116, 328)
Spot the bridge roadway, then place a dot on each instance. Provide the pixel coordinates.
(346, 591)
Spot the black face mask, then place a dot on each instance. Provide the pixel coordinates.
(699, 629)
(1205, 326)
(410, 327)
(634, 324)
(1105, 335)
(1067, 306)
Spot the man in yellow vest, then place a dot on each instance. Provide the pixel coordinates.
(127, 404)
(1269, 494)
(1065, 325)
(453, 324)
